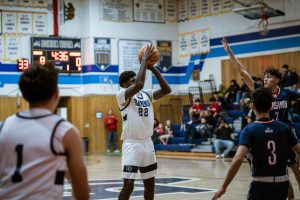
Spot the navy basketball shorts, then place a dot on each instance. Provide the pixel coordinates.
(263, 190)
(138, 156)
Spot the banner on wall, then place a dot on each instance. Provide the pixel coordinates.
(25, 23)
(10, 2)
(183, 14)
(117, 10)
(41, 3)
(204, 41)
(12, 48)
(171, 8)
(40, 23)
(194, 43)
(9, 22)
(227, 5)
(1, 48)
(165, 51)
(216, 7)
(184, 45)
(194, 9)
(102, 52)
(204, 8)
(128, 58)
(149, 11)
(26, 3)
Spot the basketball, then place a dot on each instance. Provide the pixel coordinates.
(152, 60)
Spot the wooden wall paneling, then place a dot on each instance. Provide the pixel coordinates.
(9, 106)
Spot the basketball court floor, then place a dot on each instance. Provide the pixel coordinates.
(178, 179)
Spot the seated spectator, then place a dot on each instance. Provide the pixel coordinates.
(244, 92)
(222, 91)
(290, 78)
(155, 136)
(230, 96)
(223, 139)
(202, 130)
(211, 120)
(216, 104)
(195, 111)
(168, 133)
(160, 131)
(248, 114)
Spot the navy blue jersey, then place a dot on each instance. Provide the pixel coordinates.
(281, 104)
(268, 142)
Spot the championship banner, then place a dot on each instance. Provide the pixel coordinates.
(216, 7)
(25, 23)
(41, 3)
(149, 11)
(165, 51)
(10, 2)
(204, 8)
(1, 48)
(183, 14)
(195, 43)
(39, 23)
(227, 6)
(171, 10)
(204, 41)
(102, 52)
(26, 3)
(117, 10)
(9, 22)
(12, 48)
(194, 9)
(184, 45)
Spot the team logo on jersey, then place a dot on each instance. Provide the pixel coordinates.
(110, 189)
(268, 130)
(139, 95)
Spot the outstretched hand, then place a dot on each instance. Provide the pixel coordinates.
(226, 46)
(219, 193)
(148, 52)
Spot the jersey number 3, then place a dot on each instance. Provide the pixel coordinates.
(272, 147)
(16, 177)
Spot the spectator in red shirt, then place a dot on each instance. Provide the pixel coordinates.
(110, 122)
(195, 111)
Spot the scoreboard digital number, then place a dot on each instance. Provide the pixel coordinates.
(65, 53)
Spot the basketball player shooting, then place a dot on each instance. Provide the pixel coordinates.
(281, 102)
(136, 109)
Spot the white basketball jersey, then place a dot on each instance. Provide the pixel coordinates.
(32, 159)
(137, 115)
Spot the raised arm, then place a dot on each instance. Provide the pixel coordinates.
(238, 66)
(140, 78)
(76, 167)
(164, 86)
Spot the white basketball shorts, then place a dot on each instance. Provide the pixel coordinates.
(138, 156)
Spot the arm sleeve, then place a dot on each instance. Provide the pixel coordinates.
(121, 98)
(150, 93)
(244, 138)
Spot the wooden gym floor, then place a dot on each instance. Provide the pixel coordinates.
(181, 176)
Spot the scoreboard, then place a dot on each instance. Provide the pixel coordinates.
(65, 53)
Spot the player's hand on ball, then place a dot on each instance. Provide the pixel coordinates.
(148, 52)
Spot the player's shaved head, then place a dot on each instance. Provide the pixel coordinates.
(262, 99)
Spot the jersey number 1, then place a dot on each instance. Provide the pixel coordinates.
(16, 177)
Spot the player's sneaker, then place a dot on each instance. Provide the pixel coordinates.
(116, 151)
